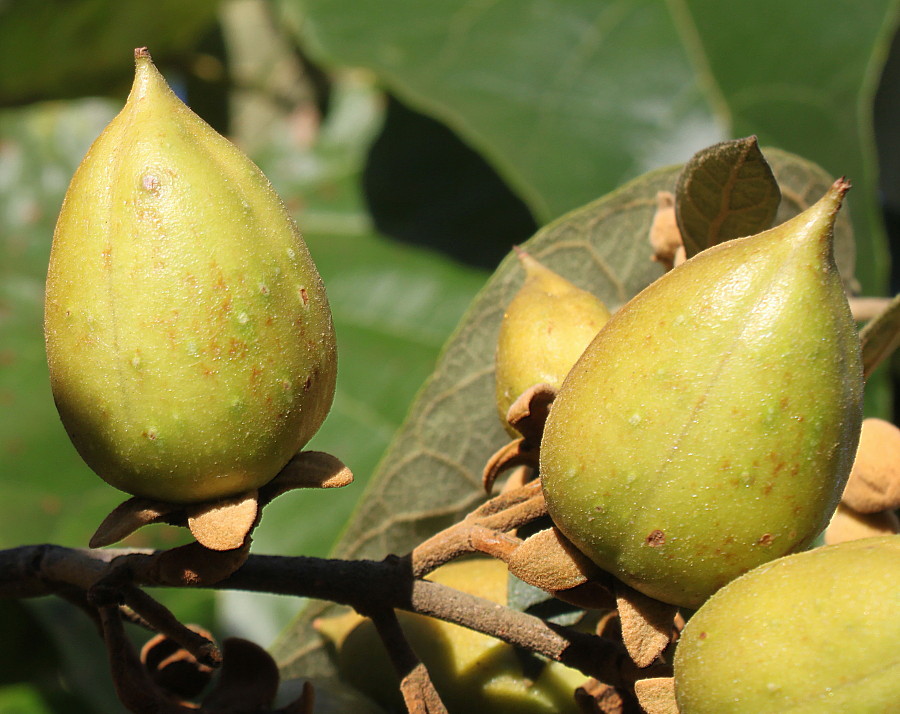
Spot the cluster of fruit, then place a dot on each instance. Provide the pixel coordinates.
(697, 438)
(702, 437)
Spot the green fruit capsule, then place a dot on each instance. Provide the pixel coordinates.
(189, 339)
(545, 329)
(809, 633)
(712, 423)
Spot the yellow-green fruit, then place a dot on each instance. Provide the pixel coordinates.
(471, 671)
(712, 423)
(545, 329)
(809, 633)
(189, 338)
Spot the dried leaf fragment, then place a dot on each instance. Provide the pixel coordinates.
(846, 524)
(874, 483)
(224, 524)
(657, 695)
(647, 624)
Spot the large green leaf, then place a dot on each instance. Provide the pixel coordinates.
(568, 98)
(431, 474)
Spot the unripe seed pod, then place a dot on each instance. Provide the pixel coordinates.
(545, 329)
(711, 425)
(189, 339)
(812, 632)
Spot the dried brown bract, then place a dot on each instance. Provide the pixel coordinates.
(527, 416)
(549, 561)
(224, 524)
(647, 624)
(874, 483)
(174, 669)
(166, 678)
(665, 238)
(657, 695)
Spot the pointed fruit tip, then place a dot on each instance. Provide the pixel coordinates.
(841, 186)
(830, 203)
(526, 260)
(147, 77)
(837, 191)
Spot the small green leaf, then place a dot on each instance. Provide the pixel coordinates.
(881, 336)
(725, 191)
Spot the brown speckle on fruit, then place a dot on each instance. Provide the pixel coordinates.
(656, 538)
(150, 183)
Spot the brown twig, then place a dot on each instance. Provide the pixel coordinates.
(867, 308)
(416, 686)
(29, 571)
(117, 587)
(161, 620)
(502, 513)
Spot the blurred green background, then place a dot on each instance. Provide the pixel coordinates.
(416, 142)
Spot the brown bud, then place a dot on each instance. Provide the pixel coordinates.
(874, 483)
(665, 238)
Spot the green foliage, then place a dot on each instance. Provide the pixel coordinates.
(70, 48)
(724, 192)
(566, 100)
(569, 98)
